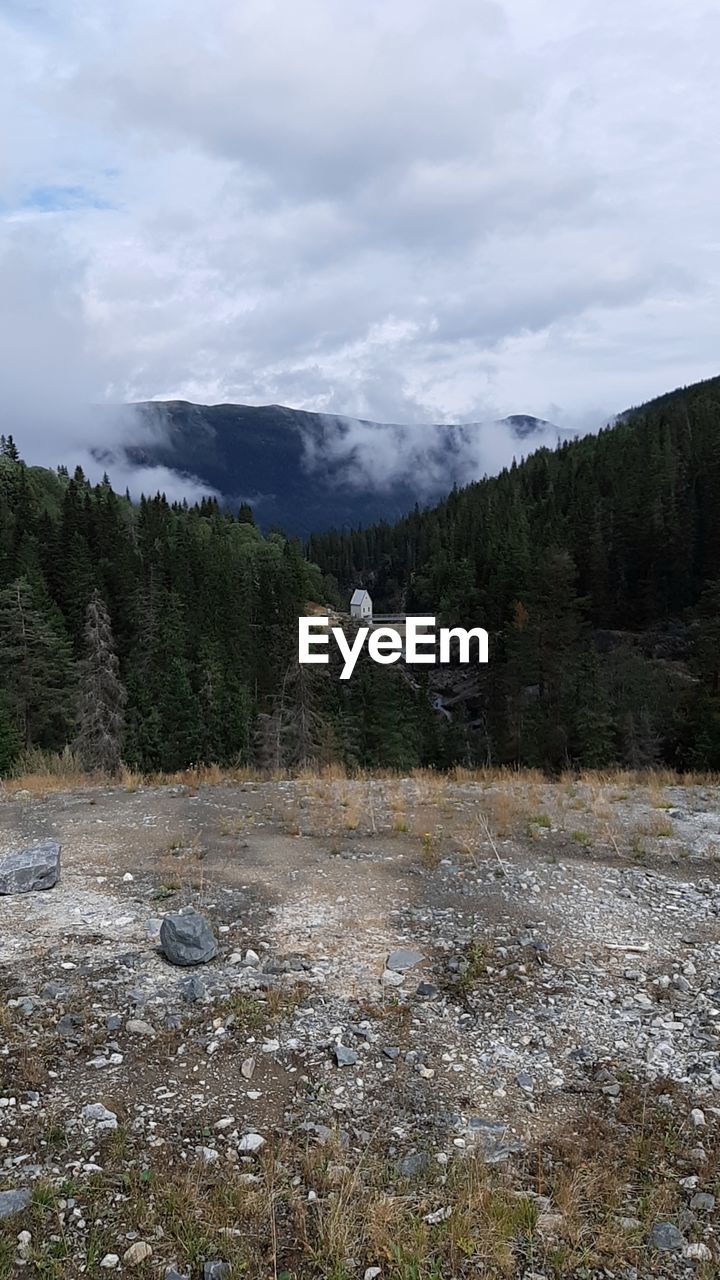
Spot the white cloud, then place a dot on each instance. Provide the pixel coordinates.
(410, 211)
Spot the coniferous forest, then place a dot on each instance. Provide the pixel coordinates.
(163, 635)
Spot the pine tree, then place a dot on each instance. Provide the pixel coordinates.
(36, 676)
(9, 449)
(9, 743)
(101, 715)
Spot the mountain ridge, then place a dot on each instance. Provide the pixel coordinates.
(308, 471)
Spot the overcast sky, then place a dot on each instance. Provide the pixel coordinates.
(406, 210)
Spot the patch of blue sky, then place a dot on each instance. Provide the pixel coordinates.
(56, 199)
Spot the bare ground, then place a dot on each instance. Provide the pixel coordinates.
(561, 1025)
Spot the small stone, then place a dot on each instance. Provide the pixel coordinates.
(110, 1262)
(139, 1028)
(403, 958)
(426, 991)
(13, 1201)
(525, 1082)
(252, 959)
(439, 1215)
(345, 1057)
(251, 1143)
(666, 1237)
(697, 1252)
(698, 1118)
(216, 1270)
(68, 1024)
(247, 1069)
(172, 1274)
(194, 989)
(24, 1243)
(371, 1273)
(96, 1116)
(137, 1253)
(128, 879)
(703, 1202)
(414, 1165)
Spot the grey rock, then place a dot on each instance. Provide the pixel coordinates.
(194, 989)
(187, 939)
(96, 1116)
(68, 1024)
(13, 1201)
(480, 1125)
(392, 979)
(391, 1052)
(666, 1237)
(525, 1082)
(52, 990)
(402, 959)
(412, 1166)
(30, 870)
(426, 991)
(345, 1057)
(703, 1202)
(137, 1027)
(172, 1274)
(216, 1270)
(113, 1022)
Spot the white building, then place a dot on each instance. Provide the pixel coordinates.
(361, 606)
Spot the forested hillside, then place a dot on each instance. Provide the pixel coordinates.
(164, 635)
(595, 567)
(167, 635)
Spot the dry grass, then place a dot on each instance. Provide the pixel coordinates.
(565, 1207)
(37, 769)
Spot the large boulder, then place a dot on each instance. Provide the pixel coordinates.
(186, 939)
(31, 869)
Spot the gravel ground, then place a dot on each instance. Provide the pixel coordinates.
(442, 973)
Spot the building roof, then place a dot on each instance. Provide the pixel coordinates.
(358, 596)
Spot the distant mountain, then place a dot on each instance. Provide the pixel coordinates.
(308, 472)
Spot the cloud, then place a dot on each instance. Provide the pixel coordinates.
(410, 212)
(430, 457)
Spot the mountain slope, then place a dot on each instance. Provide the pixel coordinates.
(637, 507)
(312, 471)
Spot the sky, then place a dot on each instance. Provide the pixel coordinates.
(416, 211)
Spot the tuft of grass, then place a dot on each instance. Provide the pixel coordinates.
(581, 837)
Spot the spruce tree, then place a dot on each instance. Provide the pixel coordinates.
(36, 673)
(9, 743)
(101, 713)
